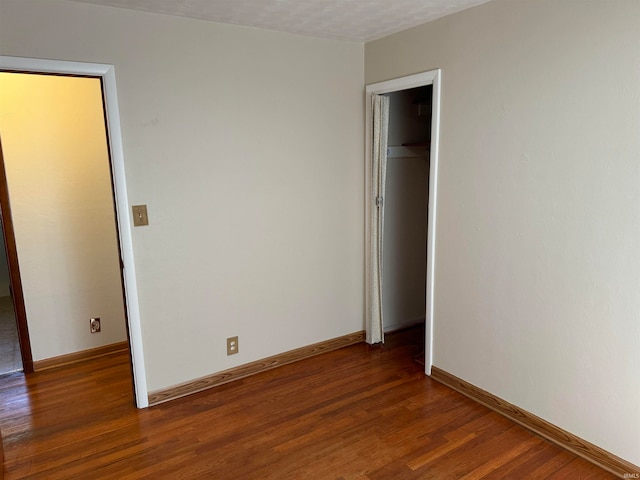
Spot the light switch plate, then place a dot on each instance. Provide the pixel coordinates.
(140, 217)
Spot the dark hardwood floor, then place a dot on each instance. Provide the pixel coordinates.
(361, 413)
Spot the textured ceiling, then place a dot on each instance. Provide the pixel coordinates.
(356, 20)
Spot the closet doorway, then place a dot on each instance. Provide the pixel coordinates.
(408, 267)
(406, 204)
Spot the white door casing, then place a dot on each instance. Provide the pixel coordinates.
(431, 77)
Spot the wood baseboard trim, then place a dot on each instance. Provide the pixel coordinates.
(564, 439)
(248, 369)
(53, 362)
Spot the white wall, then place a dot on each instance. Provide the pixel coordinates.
(405, 242)
(537, 265)
(57, 164)
(247, 146)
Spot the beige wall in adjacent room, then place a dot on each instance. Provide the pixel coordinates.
(57, 163)
(247, 147)
(537, 266)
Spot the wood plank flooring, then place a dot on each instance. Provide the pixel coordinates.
(359, 413)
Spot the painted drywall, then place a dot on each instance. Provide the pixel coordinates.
(405, 227)
(58, 174)
(247, 147)
(537, 263)
(405, 242)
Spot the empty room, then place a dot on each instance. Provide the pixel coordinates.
(266, 169)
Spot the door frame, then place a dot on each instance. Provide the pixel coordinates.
(123, 218)
(431, 77)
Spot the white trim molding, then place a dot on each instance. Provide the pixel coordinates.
(107, 74)
(431, 77)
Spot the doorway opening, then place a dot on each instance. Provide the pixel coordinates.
(10, 351)
(16, 330)
(105, 74)
(406, 203)
(413, 136)
(60, 203)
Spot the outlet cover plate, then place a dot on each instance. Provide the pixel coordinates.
(94, 324)
(232, 345)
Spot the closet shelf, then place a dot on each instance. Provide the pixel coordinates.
(406, 151)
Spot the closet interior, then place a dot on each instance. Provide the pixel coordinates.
(406, 208)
